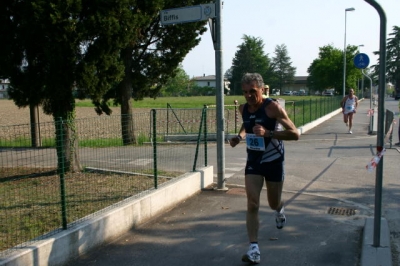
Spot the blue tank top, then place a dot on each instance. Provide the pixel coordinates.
(274, 149)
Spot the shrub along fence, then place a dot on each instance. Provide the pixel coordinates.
(39, 197)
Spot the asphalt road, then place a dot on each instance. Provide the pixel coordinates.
(329, 162)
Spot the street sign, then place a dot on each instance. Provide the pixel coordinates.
(187, 14)
(361, 61)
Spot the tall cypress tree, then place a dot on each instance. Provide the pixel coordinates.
(250, 58)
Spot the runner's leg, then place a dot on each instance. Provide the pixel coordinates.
(274, 193)
(254, 184)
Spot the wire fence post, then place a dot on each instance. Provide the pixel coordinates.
(61, 169)
(199, 139)
(235, 102)
(154, 112)
(304, 111)
(205, 135)
(294, 112)
(168, 107)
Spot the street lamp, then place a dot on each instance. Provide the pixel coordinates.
(344, 50)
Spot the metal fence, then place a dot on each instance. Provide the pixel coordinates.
(39, 198)
(304, 111)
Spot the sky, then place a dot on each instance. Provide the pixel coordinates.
(302, 25)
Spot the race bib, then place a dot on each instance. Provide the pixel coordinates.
(349, 108)
(255, 143)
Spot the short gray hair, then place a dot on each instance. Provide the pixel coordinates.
(249, 78)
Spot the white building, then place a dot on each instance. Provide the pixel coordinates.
(209, 81)
(4, 85)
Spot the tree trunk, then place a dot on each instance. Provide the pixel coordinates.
(125, 92)
(35, 127)
(67, 143)
(128, 136)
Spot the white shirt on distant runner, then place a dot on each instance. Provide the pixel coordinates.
(350, 105)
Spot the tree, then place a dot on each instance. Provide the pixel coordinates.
(151, 58)
(32, 93)
(327, 70)
(282, 70)
(178, 85)
(249, 58)
(392, 58)
(94, 46)
(52, 47)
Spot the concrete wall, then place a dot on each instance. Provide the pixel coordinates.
(71, 243)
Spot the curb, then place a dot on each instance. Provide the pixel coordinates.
(376, 256)
(73, 242)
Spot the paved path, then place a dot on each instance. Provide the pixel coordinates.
(325, 172)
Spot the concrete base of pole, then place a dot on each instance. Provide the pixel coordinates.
(374, 256)
(374, 122)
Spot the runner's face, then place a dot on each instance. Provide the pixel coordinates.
(251, 93)
(351, 92)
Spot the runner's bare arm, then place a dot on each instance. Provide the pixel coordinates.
(290, 132)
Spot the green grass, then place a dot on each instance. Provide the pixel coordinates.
(192, 102)
(22, 142)
(30, 203)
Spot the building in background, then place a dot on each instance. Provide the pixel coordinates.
(210, 81)
(4, 85)
(299, 85)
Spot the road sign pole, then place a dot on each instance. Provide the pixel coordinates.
(381, 116)
(220, 97)
(198, 13)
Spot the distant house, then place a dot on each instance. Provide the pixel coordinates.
(209, 81)
(4, 85)
(299, 84)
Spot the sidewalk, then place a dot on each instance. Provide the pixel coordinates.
(209, 228)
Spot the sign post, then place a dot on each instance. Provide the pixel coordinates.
(187, 14)
(361, 61)
(212, 11)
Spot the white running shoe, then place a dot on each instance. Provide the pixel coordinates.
(280, 218)
(252, 255)
(350, 132)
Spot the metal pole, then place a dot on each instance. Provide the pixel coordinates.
(362, 86)
(345, 49)
(371, 116)
(344, 55)
(381, 117)
(362, 77)
(220, 97)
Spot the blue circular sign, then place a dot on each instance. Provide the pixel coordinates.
(361, 61)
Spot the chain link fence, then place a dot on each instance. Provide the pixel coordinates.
(52, 178)
(39, 196)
